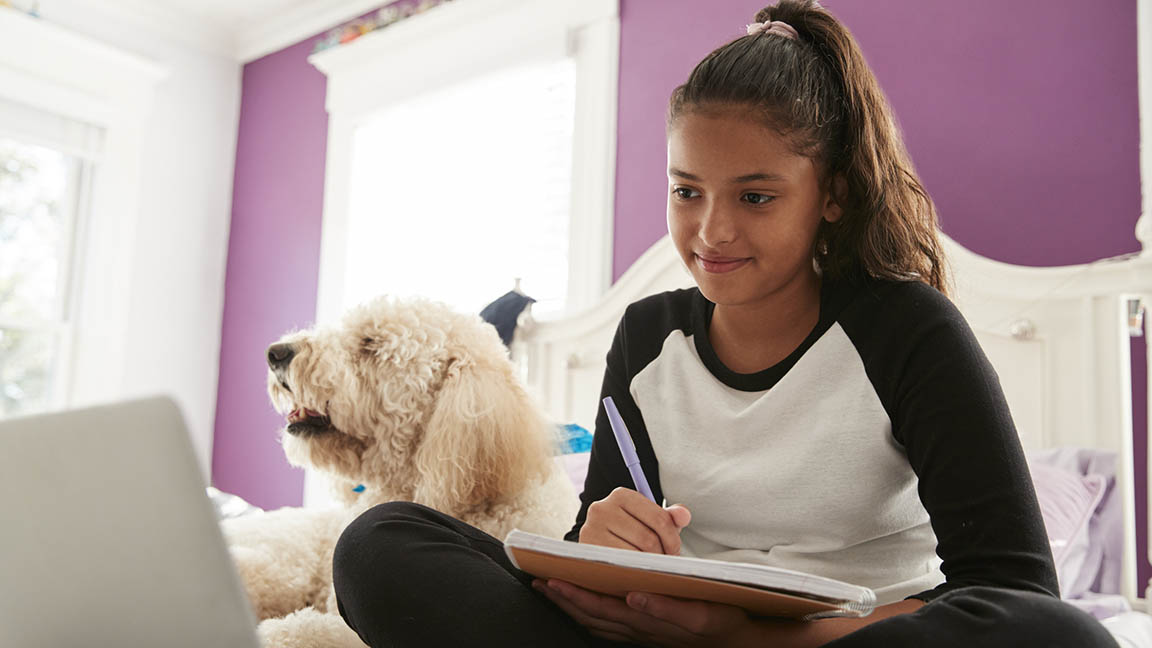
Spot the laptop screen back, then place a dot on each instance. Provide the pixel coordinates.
(107, 537)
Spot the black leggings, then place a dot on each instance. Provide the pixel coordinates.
(407, 575)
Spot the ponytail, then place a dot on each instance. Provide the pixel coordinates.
(818, 91)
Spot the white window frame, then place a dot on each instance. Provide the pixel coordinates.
(49, 68)
(453, 42)
(62, 324)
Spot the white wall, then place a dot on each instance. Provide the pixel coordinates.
(176, 294)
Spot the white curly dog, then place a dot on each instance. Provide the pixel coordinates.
(403, 400)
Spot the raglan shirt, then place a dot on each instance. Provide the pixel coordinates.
(880, 452)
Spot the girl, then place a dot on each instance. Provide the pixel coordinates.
(816, 402)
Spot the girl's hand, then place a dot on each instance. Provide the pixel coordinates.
(650, 619)
(628, 520)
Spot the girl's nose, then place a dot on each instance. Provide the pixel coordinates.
(717, 226)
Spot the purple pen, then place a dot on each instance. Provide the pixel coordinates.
(624, 440)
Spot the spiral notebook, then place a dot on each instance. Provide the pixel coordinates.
(761, 590)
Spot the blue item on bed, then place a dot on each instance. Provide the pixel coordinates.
(574, 438)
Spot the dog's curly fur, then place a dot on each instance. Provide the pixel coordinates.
(414, 402)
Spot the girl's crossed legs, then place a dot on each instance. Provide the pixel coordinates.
(407, 575)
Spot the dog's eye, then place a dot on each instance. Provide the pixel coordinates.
(367, 345)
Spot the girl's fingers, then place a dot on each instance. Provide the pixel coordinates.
(655, 521)
(582, 611)
(605, 535)
(683, 613)
(600, 606)
(629, 520)
(680, 514)
(700, 618)
(636, 535)
(644, 618)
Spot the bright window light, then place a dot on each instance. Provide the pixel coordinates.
(457, 193)
(39, 187)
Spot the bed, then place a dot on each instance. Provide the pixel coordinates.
(1059, 338)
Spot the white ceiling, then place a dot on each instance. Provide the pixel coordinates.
(230, 14)
(244, 29)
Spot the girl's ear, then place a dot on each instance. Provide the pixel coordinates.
(831, 208)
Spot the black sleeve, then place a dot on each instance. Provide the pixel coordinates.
(949, 413)
(606, 469)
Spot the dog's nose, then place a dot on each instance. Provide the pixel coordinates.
(279, 355)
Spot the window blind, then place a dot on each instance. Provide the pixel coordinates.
(34, 126)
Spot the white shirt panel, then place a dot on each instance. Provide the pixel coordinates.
(812, 460)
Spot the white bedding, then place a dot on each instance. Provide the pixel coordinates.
(1130, 629)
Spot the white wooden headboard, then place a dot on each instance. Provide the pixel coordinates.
(1057, 336)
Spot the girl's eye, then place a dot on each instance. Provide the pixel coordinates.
(758, 198)
(684, 193)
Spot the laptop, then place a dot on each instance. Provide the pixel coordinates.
(107, 537)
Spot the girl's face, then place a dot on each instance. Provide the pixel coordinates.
(743, 209)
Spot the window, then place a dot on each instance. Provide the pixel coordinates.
(457, 192)
(468, 146)
(498, 149)
(45, 165)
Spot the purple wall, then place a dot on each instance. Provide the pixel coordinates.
(1027, 138)
(1021, 117)
(273, 266)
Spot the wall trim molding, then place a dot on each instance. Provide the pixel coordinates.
(301, 22)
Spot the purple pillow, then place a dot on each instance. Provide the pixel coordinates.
(576, 467)
(1067, 502)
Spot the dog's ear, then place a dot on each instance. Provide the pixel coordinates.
(485, 441)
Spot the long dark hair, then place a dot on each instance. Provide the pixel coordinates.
(819, 92)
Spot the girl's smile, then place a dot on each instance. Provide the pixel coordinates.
(720, 264)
